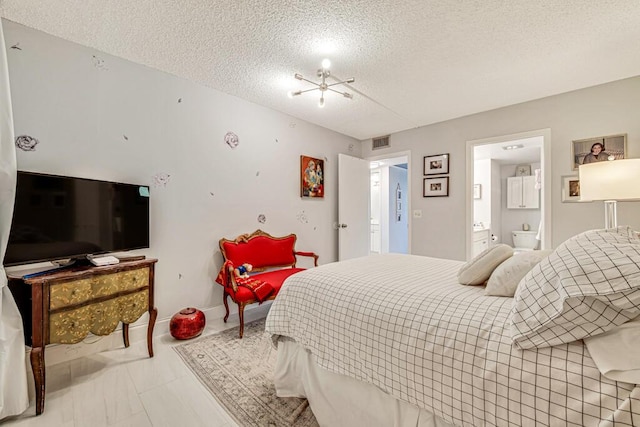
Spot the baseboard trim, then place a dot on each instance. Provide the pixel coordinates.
(59, 353)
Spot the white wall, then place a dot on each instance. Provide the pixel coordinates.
(496, 199)
(601, 110)
(102, 117)
(482, 206)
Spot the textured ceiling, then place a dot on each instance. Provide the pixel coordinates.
(415, 62)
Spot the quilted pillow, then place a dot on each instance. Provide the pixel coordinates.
(505, 278)
(588, 285)
(478, 270)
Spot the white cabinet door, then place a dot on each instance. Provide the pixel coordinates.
(514, 192)
(530, 199)
(522, 193)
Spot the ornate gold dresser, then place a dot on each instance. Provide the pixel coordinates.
(64, 306)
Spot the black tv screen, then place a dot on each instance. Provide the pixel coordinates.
(60, 217)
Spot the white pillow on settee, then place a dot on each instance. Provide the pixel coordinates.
(588, 285)
(478, 270)
(504, 280)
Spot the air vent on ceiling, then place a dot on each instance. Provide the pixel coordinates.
(380, 142)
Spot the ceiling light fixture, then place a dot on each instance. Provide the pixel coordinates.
(323, 86)
(512, 147)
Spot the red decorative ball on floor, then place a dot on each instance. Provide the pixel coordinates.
(187, 323)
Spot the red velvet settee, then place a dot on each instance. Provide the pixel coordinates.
(273, 260)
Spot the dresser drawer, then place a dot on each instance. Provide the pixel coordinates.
(105, 317)
(133, 306)
(73, 325)
(66, 294)
(109, 284)
(70, 326)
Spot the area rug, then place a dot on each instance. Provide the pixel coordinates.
(239, 374)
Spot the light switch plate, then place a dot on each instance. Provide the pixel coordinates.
(417, 213)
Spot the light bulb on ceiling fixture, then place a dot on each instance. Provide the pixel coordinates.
(324, 73)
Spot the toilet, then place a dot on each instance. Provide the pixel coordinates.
(524, 240)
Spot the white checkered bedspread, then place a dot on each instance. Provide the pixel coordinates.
(405, 325)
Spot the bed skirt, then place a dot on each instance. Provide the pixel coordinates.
(337, 400)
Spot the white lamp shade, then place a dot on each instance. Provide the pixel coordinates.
(610, 180)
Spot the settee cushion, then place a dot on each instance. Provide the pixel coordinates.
(275, 278)
(262, 251)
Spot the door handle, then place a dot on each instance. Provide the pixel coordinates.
(342, 225)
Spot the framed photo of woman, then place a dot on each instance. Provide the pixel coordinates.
(601, 148)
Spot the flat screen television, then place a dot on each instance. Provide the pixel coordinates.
(62, 217)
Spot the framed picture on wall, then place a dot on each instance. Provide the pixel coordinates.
(598, 149)
(311, 177)
(571, 189)
(435, 187)
(436, 165)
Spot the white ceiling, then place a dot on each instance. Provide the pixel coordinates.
(415, 62)
(529, 151)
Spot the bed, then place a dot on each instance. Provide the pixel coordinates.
(396, 340)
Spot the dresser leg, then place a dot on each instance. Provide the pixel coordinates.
(153, 313)
(37, 366)
(125, 334)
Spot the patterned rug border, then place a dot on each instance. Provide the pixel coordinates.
(259, 406)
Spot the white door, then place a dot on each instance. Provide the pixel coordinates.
(353, 207)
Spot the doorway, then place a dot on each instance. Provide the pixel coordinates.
(389, 198)
(491, 164)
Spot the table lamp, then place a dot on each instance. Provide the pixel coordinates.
(610, 180)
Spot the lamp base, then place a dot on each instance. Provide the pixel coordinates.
(610, 214)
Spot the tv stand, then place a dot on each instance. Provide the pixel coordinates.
(64, 305)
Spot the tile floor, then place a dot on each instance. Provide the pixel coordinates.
(124, 387)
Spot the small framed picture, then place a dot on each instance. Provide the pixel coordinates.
(523, 170)
(311, 177)
(598, 149)
(436, 165)
(477, 191)
(435, 187)
(571, 189)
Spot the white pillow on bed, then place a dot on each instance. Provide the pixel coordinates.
(588, 285)
(478, 270)
(505, 278)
